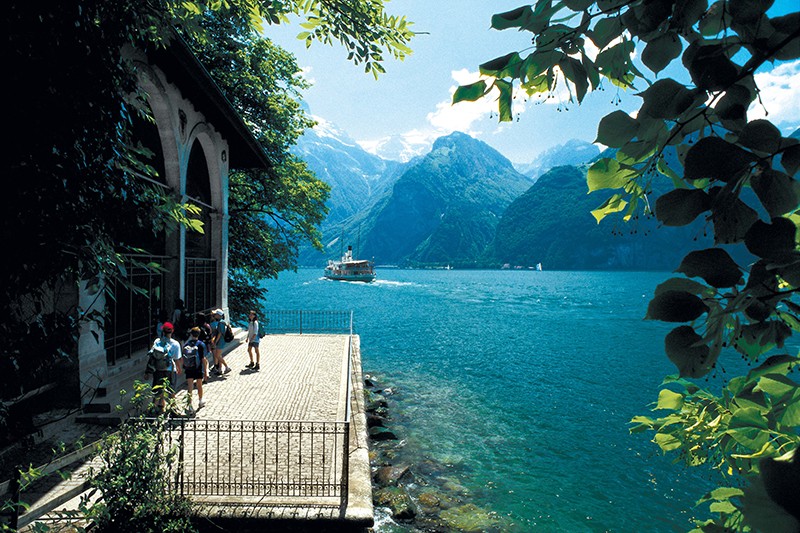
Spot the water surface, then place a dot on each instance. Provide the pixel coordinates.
(522, 383)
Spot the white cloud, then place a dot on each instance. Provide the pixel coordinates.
(780, 93)
(478, 118)
(305, 73)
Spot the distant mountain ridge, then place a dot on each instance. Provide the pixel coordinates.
(465, 205)
(357, 178)
(573, 152)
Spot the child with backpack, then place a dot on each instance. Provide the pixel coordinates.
(194, 365)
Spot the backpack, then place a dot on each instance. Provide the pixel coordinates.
(158, 360)
(228, 333)
(205, 333)
(191, 355)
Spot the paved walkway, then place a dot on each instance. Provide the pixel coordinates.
(262, 447)
(302, 377)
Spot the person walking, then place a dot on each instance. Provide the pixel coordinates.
(194, 366)
(218, 326)
(201, 323)
(164, 364)
(253, 340)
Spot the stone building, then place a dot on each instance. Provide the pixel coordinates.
(196, 139)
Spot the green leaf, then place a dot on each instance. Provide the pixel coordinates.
(778, 193)
(685, 285)
(675, 306)
(573, 70)
(714, 265)
(665, 99)
(616, 129)
(790, 159)
(715, 158)
(608, 174)
(748, 11)
(732, 107)
(732, 220)
(722, 507)
(516, 18)
(722, 493)
(761, 135)
(667, 442)
(471, 92)
(759, 338)
(665, 169)
(605, 31)
(776, 385)
(661, 51)
(748, 417)
(507, 66)
(710, 67)
(684, 348)
(681, 206)
(777, 364)
(615, 204)
(790, 416)
(713, 22)
(504, 100)
(773, 240)
(669, 400)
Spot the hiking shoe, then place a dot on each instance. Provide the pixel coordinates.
(190, 411)
(227, 370)
(256, 367)
(201, 404)
(250, 365)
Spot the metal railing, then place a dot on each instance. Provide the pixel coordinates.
(261, 459)
(307, 322)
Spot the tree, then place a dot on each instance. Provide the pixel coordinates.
(749, 431)
(72, 158)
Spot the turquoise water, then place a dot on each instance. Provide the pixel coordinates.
(522, 383)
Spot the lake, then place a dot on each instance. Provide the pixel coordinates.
(522, 384)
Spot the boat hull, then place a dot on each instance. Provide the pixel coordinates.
(351, 277)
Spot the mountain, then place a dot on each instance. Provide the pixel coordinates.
(357, 178)
(551, 224)
(443, 209)
(573, 152)
(397, 148)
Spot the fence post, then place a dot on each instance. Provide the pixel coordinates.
(179, 473)
(301, 322)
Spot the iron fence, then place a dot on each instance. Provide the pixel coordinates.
(260, 458)
(275, 321)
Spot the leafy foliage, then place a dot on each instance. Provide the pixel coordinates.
(703, 114)
(133, 482)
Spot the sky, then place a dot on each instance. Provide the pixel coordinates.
(412, 101)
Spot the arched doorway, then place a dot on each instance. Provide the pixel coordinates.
(201, 267)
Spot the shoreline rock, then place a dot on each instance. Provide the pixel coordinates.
(421, 495)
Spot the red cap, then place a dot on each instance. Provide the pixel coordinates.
(167, 326)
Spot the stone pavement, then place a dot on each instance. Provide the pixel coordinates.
(302, 377)
(265, 448)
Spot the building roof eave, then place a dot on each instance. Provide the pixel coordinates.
(195, 82)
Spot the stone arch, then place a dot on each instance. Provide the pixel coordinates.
(166, 122)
